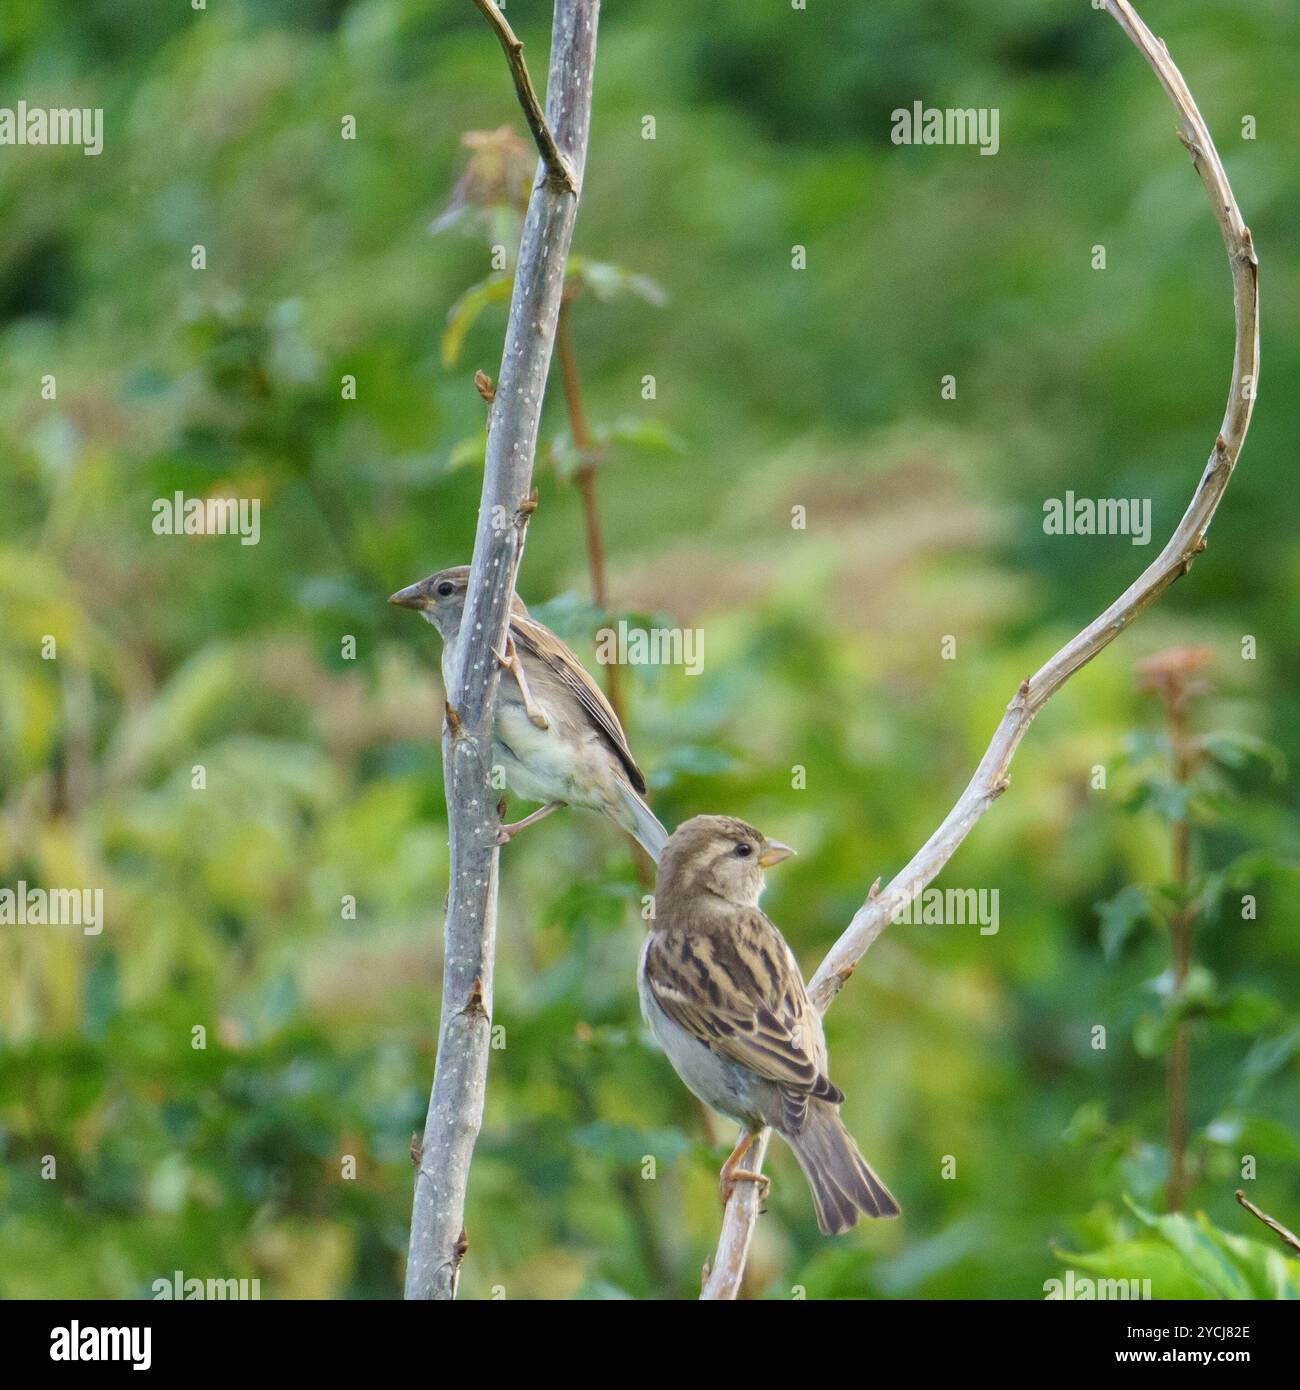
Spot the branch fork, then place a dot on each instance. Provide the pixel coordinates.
(560, 172)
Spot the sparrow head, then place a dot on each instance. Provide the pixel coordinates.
(440, 600)
(719, 855)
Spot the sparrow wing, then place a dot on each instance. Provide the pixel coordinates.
(539, 642)
(740, 993)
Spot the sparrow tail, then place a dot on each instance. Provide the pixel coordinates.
(643, 825)
(842, 1183)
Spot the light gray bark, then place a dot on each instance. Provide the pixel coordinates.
(990, 779)
(460, 1077)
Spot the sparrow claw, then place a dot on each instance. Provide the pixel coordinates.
(732, 1172)
(506, 833)
(730, 1180)
(510, 662)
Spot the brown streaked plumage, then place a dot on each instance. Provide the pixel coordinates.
(721, 990)
(555, 735)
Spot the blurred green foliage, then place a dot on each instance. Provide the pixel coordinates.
(775, 389)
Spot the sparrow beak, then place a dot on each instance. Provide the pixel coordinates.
(410, 597)
(774, 853)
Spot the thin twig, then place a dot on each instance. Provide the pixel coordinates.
(990, 779)
(558, 169)
(584, 479)
(1287, 1237)
(1180, 930)
(455, 1111)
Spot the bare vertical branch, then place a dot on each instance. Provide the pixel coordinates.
(990, 779)
(438, 1240)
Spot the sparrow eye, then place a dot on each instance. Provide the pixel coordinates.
(743, 851)
(445, 588)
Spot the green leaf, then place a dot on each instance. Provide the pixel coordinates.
(1246, 1011)
(472, 450)
(608, 282)
(1259, 1135)
(566, 458)
(1164, 796)
(1238, 751)
(1266, 1058)
(1232, 1267)
(1141, 1260)
(1088, 1124)
(463, 315)
(642, 434)
(1121, 916)
(1153, 1034)
(1144, 745)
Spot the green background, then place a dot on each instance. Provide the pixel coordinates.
(775, 388)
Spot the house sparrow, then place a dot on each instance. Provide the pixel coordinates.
(722, 993)
(554, 734)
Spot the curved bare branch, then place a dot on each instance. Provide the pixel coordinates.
(1188, 540)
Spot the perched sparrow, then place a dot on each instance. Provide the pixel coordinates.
(555, 734)
(722, 992)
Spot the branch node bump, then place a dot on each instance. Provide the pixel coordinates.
(874, 891)
(527, 506)
(454, 726)
(1192, 147)
(475, 1005)
(1200, 545)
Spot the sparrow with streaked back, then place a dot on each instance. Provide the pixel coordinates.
(554, 733)
(722, 993)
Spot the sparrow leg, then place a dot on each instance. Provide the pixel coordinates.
(732, 1172)
(508, 832)
(510, 662)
